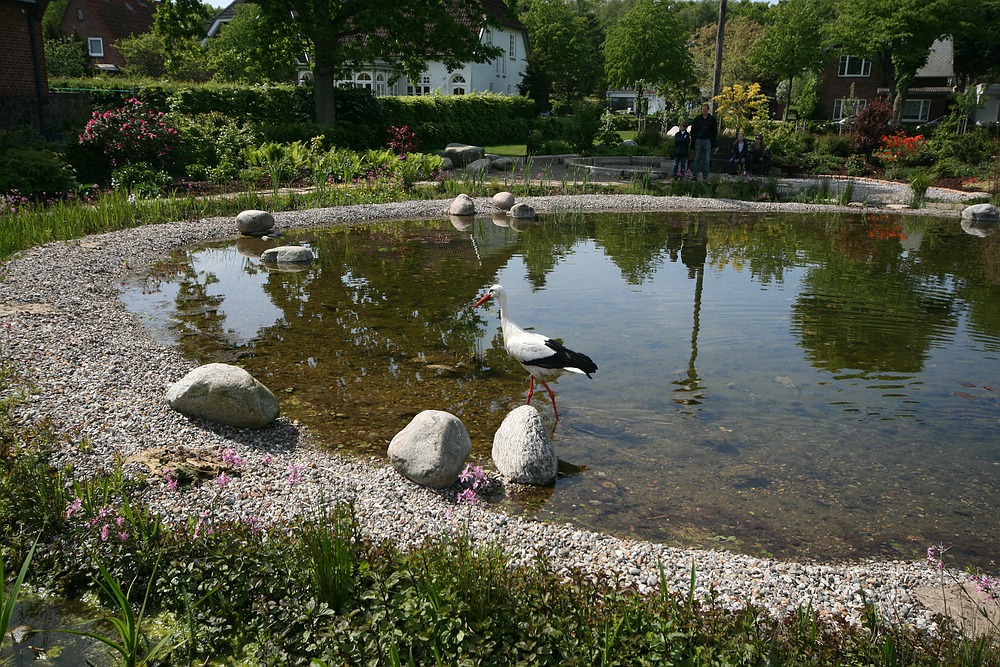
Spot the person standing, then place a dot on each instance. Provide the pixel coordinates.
(704, 130)
(682, 144)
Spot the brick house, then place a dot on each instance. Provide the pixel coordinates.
(100, 23)
(23, 80)
(850, 81)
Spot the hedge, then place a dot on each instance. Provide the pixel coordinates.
(285, 110)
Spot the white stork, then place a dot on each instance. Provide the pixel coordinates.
(541, 356)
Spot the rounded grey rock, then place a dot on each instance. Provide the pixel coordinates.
(522, 450)
(254, 223)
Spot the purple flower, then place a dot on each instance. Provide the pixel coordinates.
(73, 507)
(935, 556)
(171, 481)
(467, 497)
(222, 480)
(123, 535)
(268, 459)
(295, 473)
(231, 458)
(105, 532)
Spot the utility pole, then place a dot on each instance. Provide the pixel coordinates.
(719, 38)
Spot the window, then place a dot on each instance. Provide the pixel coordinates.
(364, 80)
(916, 111)
(79, 15)
(488, 37)
(502, 65)
(423, 89)
(512, 51)
(854, 66)
(95, 47)
(846, 108)
(380, 84)
(458, 85)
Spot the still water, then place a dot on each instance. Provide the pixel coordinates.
(802, 386)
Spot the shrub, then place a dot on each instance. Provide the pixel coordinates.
(871, 123)
(34, 171)
(584, 125)
(140, 179)
(132, 133)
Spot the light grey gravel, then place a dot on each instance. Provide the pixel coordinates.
(102, 378)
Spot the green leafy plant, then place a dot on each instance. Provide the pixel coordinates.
(919, 185)
(8, 598)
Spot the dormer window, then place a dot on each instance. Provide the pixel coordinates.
(95, 47)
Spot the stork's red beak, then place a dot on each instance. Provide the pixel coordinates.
(486, 297)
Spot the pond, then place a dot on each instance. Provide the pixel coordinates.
(807, 386)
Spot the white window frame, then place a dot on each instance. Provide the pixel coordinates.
(458, 85)
(380, 87)
(363, 80)
(848, 68)
(512, 51)
(502, 64)
(850, 105)
(95, 47)
(923, 114)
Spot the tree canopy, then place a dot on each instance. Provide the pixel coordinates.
(895, 34)
(648, 45)
(346, 34)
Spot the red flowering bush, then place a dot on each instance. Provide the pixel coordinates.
(132, 134)
(899, 149)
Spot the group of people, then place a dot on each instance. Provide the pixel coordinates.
(752, 158)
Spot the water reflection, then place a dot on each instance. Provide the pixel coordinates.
(820, 386)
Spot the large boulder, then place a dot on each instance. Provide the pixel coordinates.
(503, 164)
(522, 451)
(287, 254)
(522, 211)
(224, 394)
(478, 168)
(503, 200)
(981, 213)
(254, 223)
(462, 205)
(431, 450)
(462, 154)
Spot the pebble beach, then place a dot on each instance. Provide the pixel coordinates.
(100, 376)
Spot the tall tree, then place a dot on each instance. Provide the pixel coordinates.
(181, 24)
(977, 49)
(741, 35)
(564, 62)
(250, 50)
(648, 45)
(342, 35)
(792, 41)
(895, 34)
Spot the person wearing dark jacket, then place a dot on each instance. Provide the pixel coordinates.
(682, 144)
(738, 155)
(704, 130)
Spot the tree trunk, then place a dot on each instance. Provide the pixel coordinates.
(323, 92)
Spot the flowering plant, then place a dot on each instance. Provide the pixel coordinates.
(900, 149)
(132, 133)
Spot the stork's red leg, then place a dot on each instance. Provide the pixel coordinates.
(553, 397)
(531, 388)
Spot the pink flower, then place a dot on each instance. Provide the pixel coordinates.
(467, 497)
(222, 480)
(73, 507)
(105, 532)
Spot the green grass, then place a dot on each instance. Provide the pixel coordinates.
(508, 150)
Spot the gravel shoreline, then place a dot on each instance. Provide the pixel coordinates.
(99, 375)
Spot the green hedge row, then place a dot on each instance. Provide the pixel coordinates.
(362, 120)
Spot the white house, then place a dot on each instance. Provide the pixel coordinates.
(503, 75)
